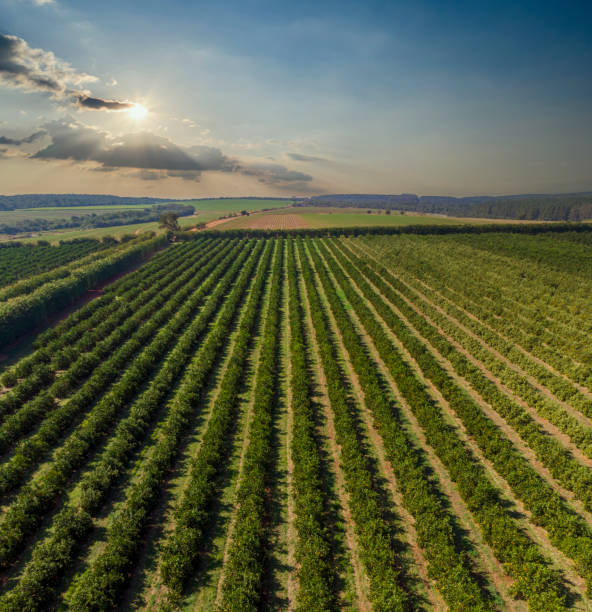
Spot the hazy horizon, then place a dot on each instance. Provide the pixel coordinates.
(280, 99)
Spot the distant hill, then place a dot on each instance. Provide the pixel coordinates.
(544, 207)
(42, 200)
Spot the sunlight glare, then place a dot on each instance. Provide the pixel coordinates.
(138, 112)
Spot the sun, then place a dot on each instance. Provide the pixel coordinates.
(138, 112)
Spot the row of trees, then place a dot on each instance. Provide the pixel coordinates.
(433, 521)
(567, 531)
(192, 513)
(32, 502)
(91, 220)
(375, 544)
(122, 324)
(41, 575)
(243, 572)
(313, 548)
(22, 313)
(390, 230)
(24, 261)
(535, 580)
(100, 585)
(563, 466)
(527, 296)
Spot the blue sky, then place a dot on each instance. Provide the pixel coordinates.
(296, 98)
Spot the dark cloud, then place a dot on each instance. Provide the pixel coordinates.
(31, 69)
(306, 158)
(186, 175)
(211, 158)
(5, 140)
(155, 157)
(275, 174)
(35, 69)
(78, 142)
(89, 103)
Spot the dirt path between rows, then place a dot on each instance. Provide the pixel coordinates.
(291, 513)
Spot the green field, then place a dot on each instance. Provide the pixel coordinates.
(318, 217)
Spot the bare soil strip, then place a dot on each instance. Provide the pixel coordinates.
(360, 578)
(538, 534)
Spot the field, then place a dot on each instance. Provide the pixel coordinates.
(318, 217)
(205, 212)
(295, 423)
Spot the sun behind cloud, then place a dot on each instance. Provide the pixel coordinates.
(138, 112)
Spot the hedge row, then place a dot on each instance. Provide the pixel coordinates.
(23, 313)
(313, 548)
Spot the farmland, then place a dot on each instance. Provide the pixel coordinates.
(285, 421)
(318, 217)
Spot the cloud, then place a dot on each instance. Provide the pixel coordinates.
(211, 158)
(275, 174)
(306, 158)
(186, 175)
(89, 103)
(36, 70)
(5, 140)
(154, 157)
(75, 141)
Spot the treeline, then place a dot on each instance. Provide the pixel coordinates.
(510, 228)
(120, 217)
(43, 200)
(535, 207)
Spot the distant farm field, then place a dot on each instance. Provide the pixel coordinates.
(205, 212)
(293, 423)
(319, 217)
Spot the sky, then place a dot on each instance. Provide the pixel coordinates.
(276, 98)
